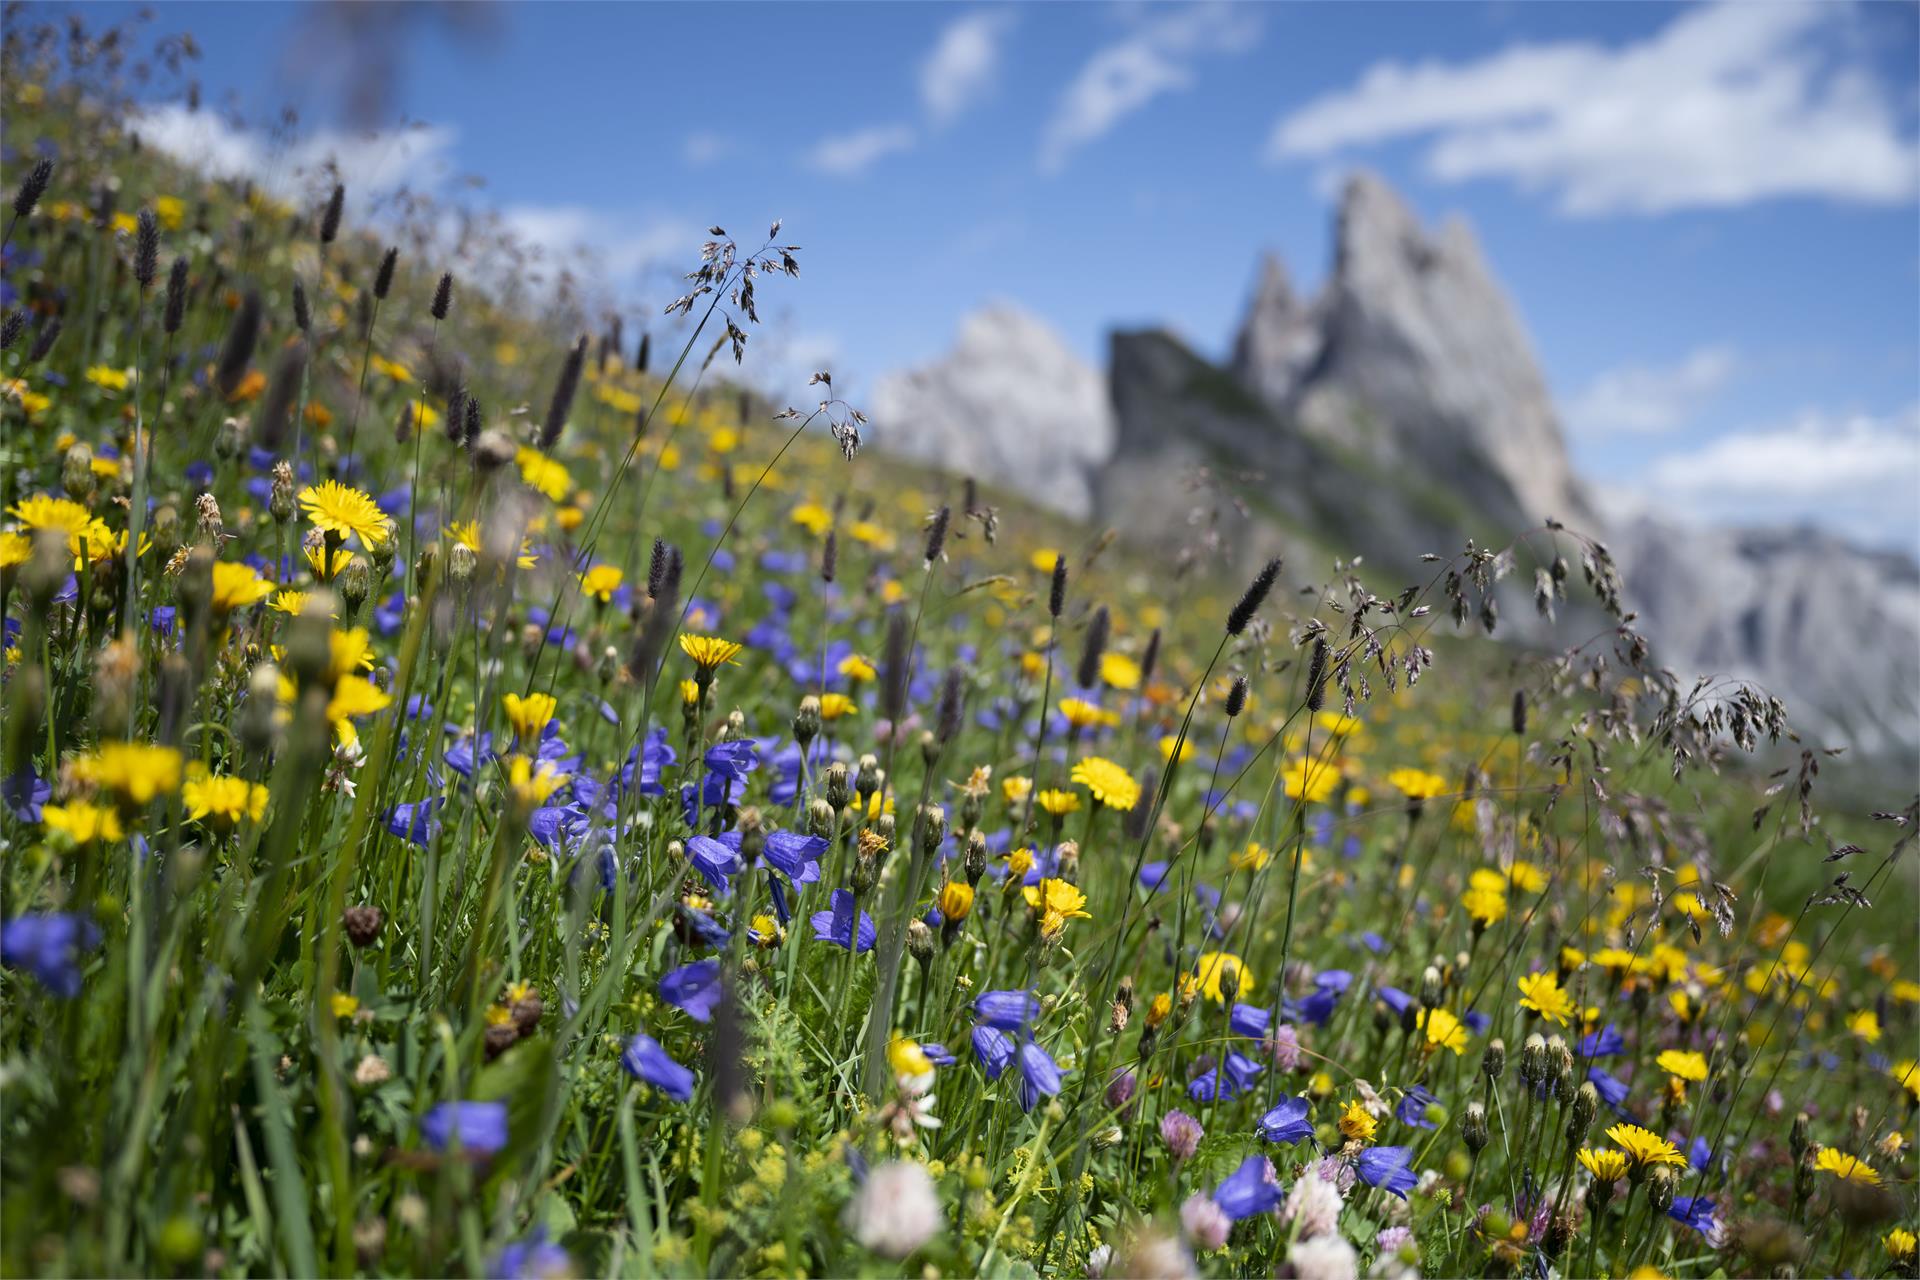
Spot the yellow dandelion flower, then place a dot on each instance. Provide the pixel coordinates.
(1865, 1023)
(1683, 1064)
(1168, 741)
(1444, 1031)
(1901, 1245)
(1110, 784)
(1056, 902)
(533, 784)
(601, 581)
(1219, 975)
(1311, 780)
(955, 900)
(1058, 803)
(1253, 857)
(1605, 1165)
(1845, 1167)
(1355, 1124)
(1645, 1147)
(137, 771)
(708, 652)
(1541, 993)
(224, 798)
(1485, 906)
(1417, 784)
(835, 705)
(542, 474)
(812, 517)
(529, 715)
(343, 1005)
(82, 822)
(346, 512)
(1119, 670)
(857, 669)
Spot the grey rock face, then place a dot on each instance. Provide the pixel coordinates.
(1010, 405)
(1413, 356)
(1829, 627)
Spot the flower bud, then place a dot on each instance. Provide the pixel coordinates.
(975, 864)
(806, 722)
(355, 584)
(866, 874)
(1473, 1127)
(462, 561)
(839, 791)
(1493, 1063)
(933, 827)
(1586, 1101)
(1799, 1134)
(76, 473)
(919, 941)
(231, 441)
(1660, 1188)
(1533, 1058)
(280, 504)
(1432, 990)
(820, 819)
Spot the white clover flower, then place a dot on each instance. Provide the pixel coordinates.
(896, 1211)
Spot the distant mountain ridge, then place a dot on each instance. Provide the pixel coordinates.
(1396, 412)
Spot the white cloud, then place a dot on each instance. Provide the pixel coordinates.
(1157, 57)
(705, 148)
(1728, 104)
(960, 71)
(370, 164)
(851, 154)
(1858, 472)
(1646, 399)
(621, 245)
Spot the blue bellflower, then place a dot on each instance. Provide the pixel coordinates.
(645, 1060)
(1251, 1189)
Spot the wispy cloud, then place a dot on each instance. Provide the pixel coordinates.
(1647, 399)
(620, 245)
(1157, 57)
(851, 154)
(1728, 104)
(1855, 471)
(705, 148)
(370, 164)
(960, 70)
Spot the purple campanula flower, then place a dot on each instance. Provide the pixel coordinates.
(1250, 1021)
(26, 793)
(534, 1258)
(795, 856)
(695, 988)
(1251, 1189)
(994, 1048)
(1612, 1092)
(49, 947)
(1413, 1108)
(1386, 1168)
(1007, 1010)
(480, 1128)
(1696, 1212)
(1039, 1075)
(713, 860)
(645, 1060)
(938, 1054)
(837, 926)
(1604, 1043)
(1289, 1122)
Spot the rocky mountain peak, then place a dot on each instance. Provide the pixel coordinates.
(1010, 404)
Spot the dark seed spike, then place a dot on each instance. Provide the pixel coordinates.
(563, 393)
(1098, 628)
(1057, 592)
(1255, 596)
(657, 568)
(893, 669)
(1317, 675)
(456, 416)
(31, 188)
(49, 334)
(1151, 658)
(146, 250)
(302, 316)
(830, 556)
(11, 328)
(474, 417)
(970, 497)
(675, 567)
(330, 217)
(443, 296)
(641, 356)
(383, 278)
(237, 352)
(1237, 697)
(937, 534)
(1519, 713)
(176, 312)
(952, 701)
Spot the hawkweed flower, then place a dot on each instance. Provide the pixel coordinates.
(1541, 993)
(224, 800)
(82, 822)
(1107, 782)
(1845, 1167)
(344, 511)
(529, 714)
(1683, 1066)
(1054, 902)
(1220, 976)
(645, 1060)
(709, 654)
(1441, 1030)
(1644, 1148)
(137, 772)
(1355, 1123)
(601, 581)
(1902, 1246)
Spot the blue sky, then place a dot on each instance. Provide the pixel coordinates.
(1707, 216)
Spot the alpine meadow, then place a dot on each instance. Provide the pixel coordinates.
(490, 790)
